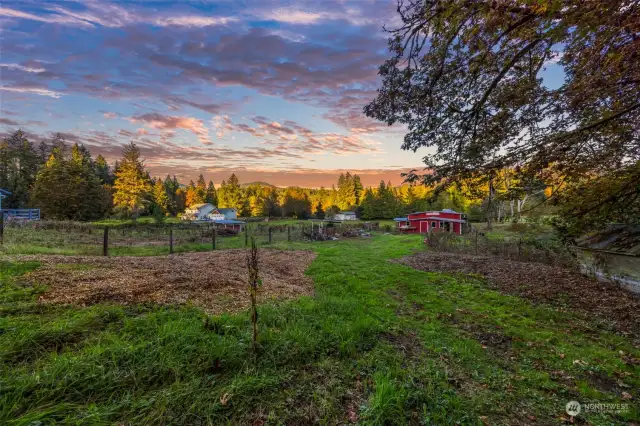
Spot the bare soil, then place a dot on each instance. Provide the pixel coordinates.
(215, 281)
(541, 284)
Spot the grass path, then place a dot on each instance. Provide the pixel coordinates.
(380, 343)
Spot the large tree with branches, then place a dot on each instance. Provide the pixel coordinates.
(466, 77)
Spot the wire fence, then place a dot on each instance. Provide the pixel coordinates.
(161, 238)
(524, 249)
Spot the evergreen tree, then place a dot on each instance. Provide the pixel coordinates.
(103, 171)
(232, 196)
(319, 211)
(358, 189)
(370, 205)
(68, 188)
(211, 195)
(160, 197)
(201, 190)
(131, 184)
(19, 163)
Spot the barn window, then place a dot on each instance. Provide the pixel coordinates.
(441, 224)
(433, 224)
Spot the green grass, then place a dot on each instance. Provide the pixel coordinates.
(140, 220)
(379, 344)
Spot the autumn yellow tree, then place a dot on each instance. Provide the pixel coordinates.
(132, 182)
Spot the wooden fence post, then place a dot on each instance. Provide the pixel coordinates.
(476, 241)
(519, 248)
(246, 235)
(1, 226)
(289, 233)
(170, 240)
(213, 238)
(269, 235)
(105, 242)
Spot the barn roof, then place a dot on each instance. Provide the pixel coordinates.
(438, 211)
(4, 192)
(439, 218)
(621, 239)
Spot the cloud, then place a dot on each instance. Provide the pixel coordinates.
(212, 108)
(8, 122)
(293, 137)
(168, 122)
(193, 21)
(294, 16)
(113, 16)
(48, 18)
(31, 90)
(110, 115)
(25, 68)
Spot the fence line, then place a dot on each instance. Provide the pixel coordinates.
(86, 238)
(522, 249)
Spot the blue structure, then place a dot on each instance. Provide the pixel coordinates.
(3, 194)
(22, 214)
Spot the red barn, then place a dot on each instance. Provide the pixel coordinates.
(424, 222)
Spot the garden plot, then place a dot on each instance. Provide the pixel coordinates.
(214, 281)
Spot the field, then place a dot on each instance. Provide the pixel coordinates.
(375, 341)
(146, 238)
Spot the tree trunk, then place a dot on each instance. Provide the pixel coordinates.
(490, 206)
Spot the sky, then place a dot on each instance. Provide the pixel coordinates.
(272, 91)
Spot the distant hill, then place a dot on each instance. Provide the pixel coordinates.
(244, 185)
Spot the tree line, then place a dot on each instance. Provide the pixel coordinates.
(65, 182)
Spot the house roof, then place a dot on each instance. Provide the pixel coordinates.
(226, 210)
(4, 192)
(201, 205)
(229, 222)
(347, 212)
(400, 219)
(622, 239)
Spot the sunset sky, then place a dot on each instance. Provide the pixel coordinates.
(271, 91)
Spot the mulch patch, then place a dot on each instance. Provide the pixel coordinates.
(541, 283)
(215, 281)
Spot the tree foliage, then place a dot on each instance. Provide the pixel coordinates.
(67, 187)
(132, 183)
(466, 77)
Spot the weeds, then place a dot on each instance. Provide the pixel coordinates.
(254, 283)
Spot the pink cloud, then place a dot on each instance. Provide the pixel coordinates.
(170, 122)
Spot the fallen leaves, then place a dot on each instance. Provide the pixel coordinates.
(215, 281)
(540, 283)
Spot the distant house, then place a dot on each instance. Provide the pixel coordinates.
(432, 221)
(207, 211)
(3, 194)
(229, 213)
(198, 211)
(345, 216)
(612, 255)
